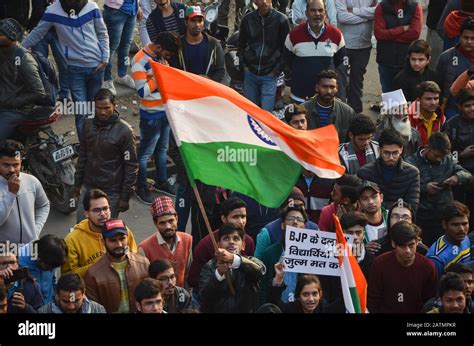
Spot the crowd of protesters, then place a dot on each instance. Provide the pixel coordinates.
(406, 198)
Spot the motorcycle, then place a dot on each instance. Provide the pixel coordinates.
(49, 157)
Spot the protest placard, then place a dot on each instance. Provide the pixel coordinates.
(312, 252)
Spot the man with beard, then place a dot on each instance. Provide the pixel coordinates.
(439, 173)
(200, 52)
(84, 242)
(325, 108)
(175, 298)
(108, 155)
(83, 37)
(71, 298)
(112, 280)
(20, 83)
(395, 117)
(396, 178)
(24, 207)
(454, 246)
(167, 243)
(245, 273)
(370, 202)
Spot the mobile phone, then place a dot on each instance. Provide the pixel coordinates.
(443, 185)
(19, 274)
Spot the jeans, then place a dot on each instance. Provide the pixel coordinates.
(120, 28)
(358, 60)
(10, 120)
(183, 204)
(154, 134)
(51, 39)
(84, 84)
(260, 90)
(114, 198)
(387, 74)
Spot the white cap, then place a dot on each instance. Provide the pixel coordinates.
(392, 100)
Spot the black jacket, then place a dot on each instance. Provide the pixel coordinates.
(408, 79)
(215, 58)
(155, 23)
(215, 295)
(108, 157)
(461, 133)
(262, 42)
(435, 10)
(451, 5)
(436, 173)
(405, 183)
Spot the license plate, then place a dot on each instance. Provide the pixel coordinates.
(63, 153)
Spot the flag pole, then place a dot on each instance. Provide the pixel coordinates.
(211, 234)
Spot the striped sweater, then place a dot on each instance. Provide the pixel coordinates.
(151, 104)
(83, 37)
(309, 56)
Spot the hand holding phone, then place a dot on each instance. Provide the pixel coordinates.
(19, 274)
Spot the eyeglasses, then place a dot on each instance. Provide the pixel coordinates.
(99, 210)
(394, 154)
(399, 217)
(294, 218)
(167, 278)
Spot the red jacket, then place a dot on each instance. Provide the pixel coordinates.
(398, 34)
(419, 125)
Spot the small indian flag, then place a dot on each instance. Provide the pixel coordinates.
(353, 282)
(226, 140)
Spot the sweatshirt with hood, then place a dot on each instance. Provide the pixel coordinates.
(81, 30)
(85, 247)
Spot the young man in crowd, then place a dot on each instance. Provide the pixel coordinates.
(452, 295)
(395, 177)
(361, 149)
(454, 246)
(154, 126)
(325, 108)
(112, 280)
(439, 173)
(149, 297)
(416, 70)
(245, 276)
(261, 52)
(175, 298)
(71, 298)
(401, 281)
(394, 33)
(426, 114)
(167, 242)
(25, 207)
(234, 211)
(344, 197)
(107, 156)
(370, 203)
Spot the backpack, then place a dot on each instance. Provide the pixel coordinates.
(48, 74)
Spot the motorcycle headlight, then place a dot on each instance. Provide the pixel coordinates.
(210, 15)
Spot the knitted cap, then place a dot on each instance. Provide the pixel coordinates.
(11, 29)
(162, 205)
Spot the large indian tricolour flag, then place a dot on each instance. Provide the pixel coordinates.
(353, 282)
(226, 140)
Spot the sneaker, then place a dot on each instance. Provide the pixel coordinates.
(144, 196)
(109, 84)
(166, 188)
(126, 80)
